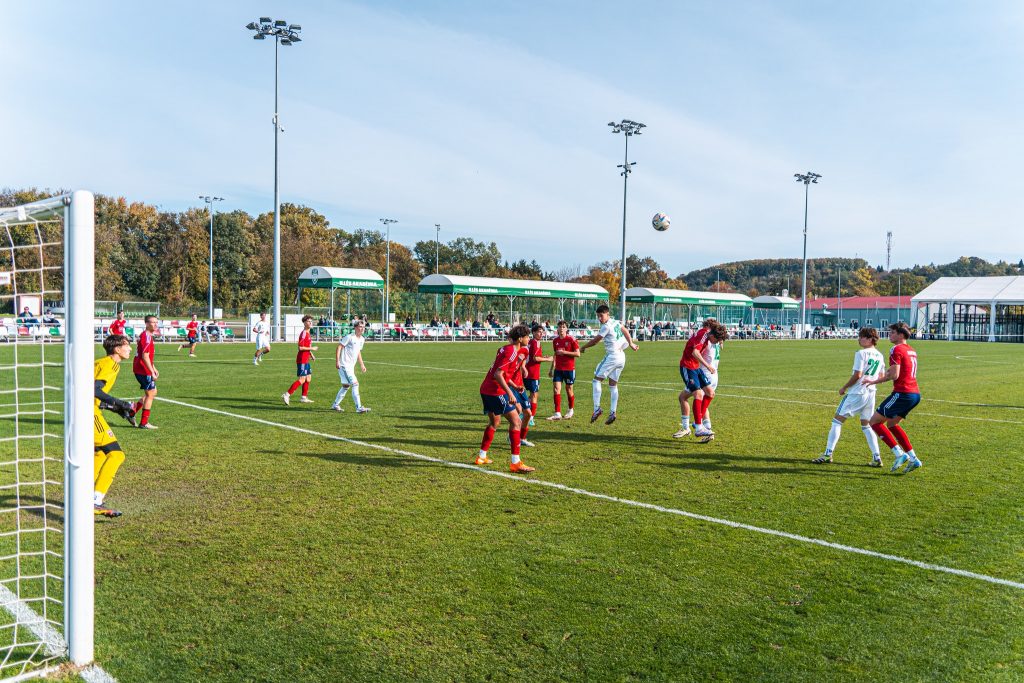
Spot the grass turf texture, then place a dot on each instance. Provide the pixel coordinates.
(251, 552)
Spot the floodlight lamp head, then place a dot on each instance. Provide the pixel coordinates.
(280, 23)
(259, 36)
(252, 26)
(294, 38)
(266, 20)
(295, 27)
(285, 41)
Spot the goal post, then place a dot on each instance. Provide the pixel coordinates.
(46, 444)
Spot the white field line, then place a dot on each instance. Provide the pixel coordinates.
(51, 638)
(744, 396)
(613, 499)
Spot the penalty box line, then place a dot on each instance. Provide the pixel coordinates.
(614, 499)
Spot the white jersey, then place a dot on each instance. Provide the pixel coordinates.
(351, 345)
(712, 353)
(260, 327)
(613, 338)
(871, 364)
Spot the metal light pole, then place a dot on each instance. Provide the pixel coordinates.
(283, 34)
(627, 128)
(437, 260)
(387, 274)
(806, 179)
(209, 201)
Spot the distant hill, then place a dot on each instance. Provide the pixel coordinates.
(858, 278)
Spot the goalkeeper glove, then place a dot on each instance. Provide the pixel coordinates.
(122, 408)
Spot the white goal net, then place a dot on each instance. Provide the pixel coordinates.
(46, 532)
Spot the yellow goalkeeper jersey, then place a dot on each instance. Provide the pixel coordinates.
(105, 370)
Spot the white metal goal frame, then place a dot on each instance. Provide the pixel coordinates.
(47, 541)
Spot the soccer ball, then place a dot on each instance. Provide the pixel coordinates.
(661, 222)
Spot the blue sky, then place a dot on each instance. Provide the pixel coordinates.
(490, 118)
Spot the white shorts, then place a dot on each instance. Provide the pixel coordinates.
(348, 375)
(262, 341)
(611, 366)
(859, 403)
(713, 376)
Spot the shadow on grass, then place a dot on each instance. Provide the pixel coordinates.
(391, 460)
(731, 462)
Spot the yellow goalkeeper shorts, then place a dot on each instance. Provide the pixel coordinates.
(102, 434)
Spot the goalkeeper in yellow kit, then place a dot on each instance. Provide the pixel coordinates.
(108, 455)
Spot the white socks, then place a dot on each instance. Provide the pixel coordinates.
(355, 396)
(597, 393)
(340, 396)
(614, 392)
(833, 436)
(872, 440)
(97, 498)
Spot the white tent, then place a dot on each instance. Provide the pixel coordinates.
(958, 304)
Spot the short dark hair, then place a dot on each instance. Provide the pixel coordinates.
(869, 333)
(113, 341)
(306, 317)
(562, 322)
(719, 332)
(518, 332)
(149, 317)
(901, 329)
(603, 308)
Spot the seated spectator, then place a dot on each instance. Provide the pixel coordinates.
(408, 321)
(49, 319)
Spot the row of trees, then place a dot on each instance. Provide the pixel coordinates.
(145, 254)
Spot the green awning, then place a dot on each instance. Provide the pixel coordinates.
(647, 295)
(327, 277)
(493, 286)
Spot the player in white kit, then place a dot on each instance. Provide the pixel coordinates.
(858, 399)
(712, 353)
(616, 338)
(261, 333)
(350, 350)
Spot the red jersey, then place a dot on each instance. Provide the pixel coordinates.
(304, 340)
(566, 344)
(144, 347)
(117, 327)
(532, 364)
(905, 357)
(696, 343)
(506, 358)
(515, 376)
(192, 329)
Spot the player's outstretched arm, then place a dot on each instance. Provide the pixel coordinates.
(593, 342)
(854, 378)
(629, 339)
(337, 357)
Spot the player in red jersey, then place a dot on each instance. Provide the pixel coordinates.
(905, 396)
(499, 398)
(145, 371)
(303, 359)
(563, 370)
(695, 371)
(191, 336)
(518, 385)
(117, 325)
(533, 361)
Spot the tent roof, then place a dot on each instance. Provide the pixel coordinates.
(776, 302)
(328, 277)
(1008, 289)
(684, 296)
(497, 286)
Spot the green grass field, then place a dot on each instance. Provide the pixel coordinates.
(273, 543)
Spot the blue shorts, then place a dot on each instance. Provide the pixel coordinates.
(694, 379)
(192, 339)
(303, 370)
(521, 398)
(898, 405)
(496, 405)
(567, 376)
(532, 385)
(146, 382)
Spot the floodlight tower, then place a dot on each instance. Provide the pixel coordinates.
(387, 273)
(437, 261)
(806, 179)
(888, 250)
(209, 201)
(283, 33)
(627, 128)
